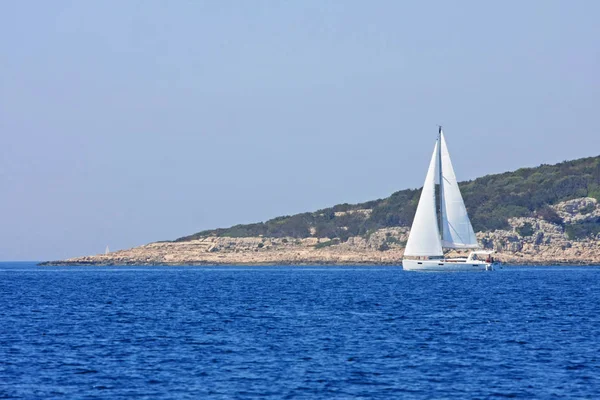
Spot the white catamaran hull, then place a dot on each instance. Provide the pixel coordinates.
(443, 265)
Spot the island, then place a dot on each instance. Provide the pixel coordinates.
(546, 215)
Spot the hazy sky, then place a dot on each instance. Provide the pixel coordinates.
(126, 122)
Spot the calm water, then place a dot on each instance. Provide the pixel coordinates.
(298, 332)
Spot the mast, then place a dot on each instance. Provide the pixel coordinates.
(441, 180)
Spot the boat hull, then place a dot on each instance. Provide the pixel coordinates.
(443, 265)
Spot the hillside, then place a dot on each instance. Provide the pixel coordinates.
(546, 215)
(491, 201)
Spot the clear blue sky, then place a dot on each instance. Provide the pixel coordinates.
(126, 122)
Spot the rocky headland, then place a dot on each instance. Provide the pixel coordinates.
(529, 241)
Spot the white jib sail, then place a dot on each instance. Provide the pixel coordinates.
(424, 238)
(457, 231)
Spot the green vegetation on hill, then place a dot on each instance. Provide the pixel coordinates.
(490, 201)
(583, 229)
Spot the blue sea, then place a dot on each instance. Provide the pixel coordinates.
(298, 333)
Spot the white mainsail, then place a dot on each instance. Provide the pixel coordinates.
(457, 231)
(424, 238)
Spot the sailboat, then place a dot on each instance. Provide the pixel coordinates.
(432, 232)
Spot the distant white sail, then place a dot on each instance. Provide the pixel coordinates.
(424, 238)
(107, 250)
(457, 231)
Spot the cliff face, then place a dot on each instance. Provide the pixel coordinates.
(547, 242)
(530, 240)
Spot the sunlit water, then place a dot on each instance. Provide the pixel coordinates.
(298, 332)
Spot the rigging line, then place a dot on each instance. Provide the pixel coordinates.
(457, 234)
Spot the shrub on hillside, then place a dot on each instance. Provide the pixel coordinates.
(587, 209)
(525, 230)
(583, 230)
(548, 214)
(327, 243)
(594, 191)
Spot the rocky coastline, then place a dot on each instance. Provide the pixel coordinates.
(529, 241)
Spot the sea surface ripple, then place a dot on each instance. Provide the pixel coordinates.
(298, 332)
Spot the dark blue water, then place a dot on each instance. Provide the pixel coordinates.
(297, 332)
